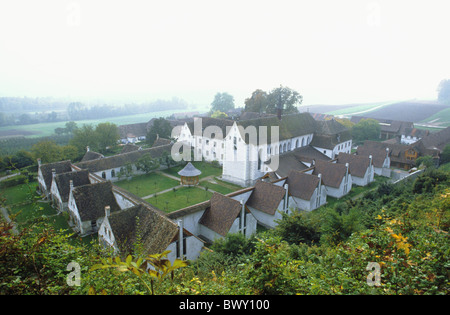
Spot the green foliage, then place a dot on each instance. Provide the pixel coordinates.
(147, 164)
(445, 155)
(156, 266)
(13, 181)
(222, 102)
(35, 260)
(366, 129)
(160, 128)
(299, 227)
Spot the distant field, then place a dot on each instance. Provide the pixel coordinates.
(441, 118)
(47, 129)
(414, 111)
(358, 109)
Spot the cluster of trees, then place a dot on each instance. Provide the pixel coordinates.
(100, 138)
(269, 102)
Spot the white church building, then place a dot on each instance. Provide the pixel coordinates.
(248, 149)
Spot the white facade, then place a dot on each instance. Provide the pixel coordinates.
(343, 189)
(344, 147)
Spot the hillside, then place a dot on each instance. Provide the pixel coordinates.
(414, 111)
(400, 229)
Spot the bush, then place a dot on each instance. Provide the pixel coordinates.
(13, 181)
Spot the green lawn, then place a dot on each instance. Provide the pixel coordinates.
(220, 186)
(206, 168)
(145, 185)
(183, 197)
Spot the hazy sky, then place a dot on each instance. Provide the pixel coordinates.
(332, 52)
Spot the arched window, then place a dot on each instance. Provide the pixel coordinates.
(284, 148)
(113, 173)
(289, 146)
(296, 143)
(104, 175)
(281, 148)
(303, 142)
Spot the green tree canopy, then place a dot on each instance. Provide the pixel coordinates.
(285, 98)
(257, 102)
(83, 137)
(222, 102)
(161, 127)
(47, 151)
(366, 129)
(147, 164)
(282, 97)
(107, 135)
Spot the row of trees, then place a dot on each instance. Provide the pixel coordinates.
(283, 98)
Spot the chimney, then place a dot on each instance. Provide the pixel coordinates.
(242, 215)
(70, 185)
(286, 197)
(53, 173)
(39, 162)
(107, 211)
(370, 160)
(180, 238)
(87, 148)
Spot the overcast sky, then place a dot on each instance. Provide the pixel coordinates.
(332, 52)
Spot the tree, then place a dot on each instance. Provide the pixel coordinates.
(71, 126)
(83, 137)
(444, 91)
(223, 102)
(47, 151)
(161, 127)
(107, 135)
(257, 102)
(445, 155)
(147, 164)
(366, 129)
(285, 99)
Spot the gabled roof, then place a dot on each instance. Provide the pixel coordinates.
(59, 167)
(302, 185)
(155, 232)
(377, 151)
(221, 214)
(288, 162)
(91, 155)
(138, 130)
(290, 126)
(122, 159)
(92, 199)
(437, 140)
(62, 181)
(332, 173)
(266, 197)
(189, 170)
(161, 141)
(358, 164)
(129, 147)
